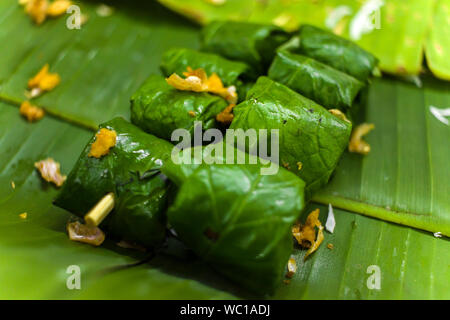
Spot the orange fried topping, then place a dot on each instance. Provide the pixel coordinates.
(357, 144)
(43, 81)
(226, 116)
(104, 140)
(84, 233)
(292, 268)
(192, 113)
(31, 112)
(338, 113)
(36, 9)
(50, 171)
(58, 7)
(306, 234)
(197, 81)
(330, 246)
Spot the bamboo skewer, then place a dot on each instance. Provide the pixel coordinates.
(99, 212)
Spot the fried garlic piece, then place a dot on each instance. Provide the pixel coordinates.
(306, 234)
(84, 233)
(104, 140)
(338, 113)
(23, 215)
(357, 144)
(31, 112)
(226, 116)
(197, 81)
(43, 81)
(50, 171)
(36, 9)
(58, 7)
(292, 268)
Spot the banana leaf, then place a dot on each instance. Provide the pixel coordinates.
(36, 251)
(131, 170)
(403, 28)
(407, 138)
(311, 139)
(109, 55)
(327, 86)
(160, 109)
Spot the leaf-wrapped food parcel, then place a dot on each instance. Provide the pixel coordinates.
(232, 73)
(327, 86)
(131, 170)
(238, 220)
(335, 51)
(252, 43)
(311, 139)
(159, 108)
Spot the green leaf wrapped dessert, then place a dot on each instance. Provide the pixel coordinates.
(335, 51)
(131, 171)
(230, 72)
(159, 109)
(325, 85)
(311, 139)
(254, 44)
(238, 220)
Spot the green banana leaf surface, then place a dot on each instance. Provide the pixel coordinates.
(103, 64)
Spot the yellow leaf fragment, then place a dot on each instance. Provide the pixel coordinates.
(31, 112)
(43, 81)
(299, 166)
(357, 144)
(50, 171)
(23, 215)
(338, 113)
(58, 7)
(306, 234)
(36, 9)
(292, 268)
(86, 234)
(104, 140)
(316, 243)
(226, 116)
(197, 81)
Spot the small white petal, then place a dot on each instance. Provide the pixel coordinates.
(331, 222)
(440, 114)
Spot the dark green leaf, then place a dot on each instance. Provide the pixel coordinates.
(159, 108)
(254, 44)
(309, 135)
(140, 198)
(327, 86)
(239, 221)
